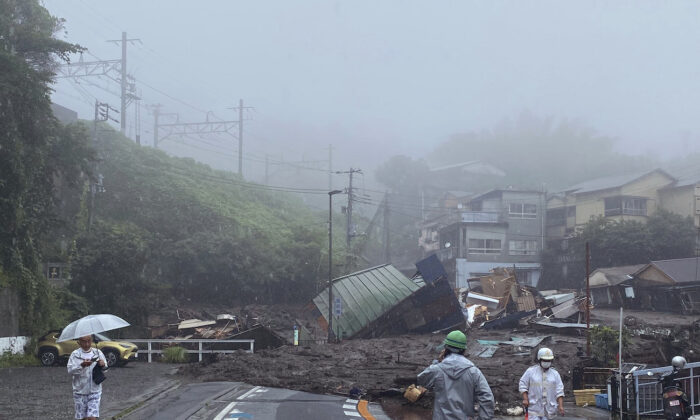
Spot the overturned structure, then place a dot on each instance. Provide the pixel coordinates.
(381, 301)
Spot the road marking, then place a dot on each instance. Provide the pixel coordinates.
(363, 408)
(249, 393)
(225, 411)
(349, 406)
(230, 407)
(352, 414)
(351, 401)
(237, 414)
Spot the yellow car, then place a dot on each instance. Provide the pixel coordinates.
(116, 352)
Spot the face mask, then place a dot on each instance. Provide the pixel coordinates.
(545, 365)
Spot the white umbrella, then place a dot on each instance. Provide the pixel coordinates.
(91, 324)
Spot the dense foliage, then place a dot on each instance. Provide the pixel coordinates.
(36, 153)
(169, 229)
(614, 243)
(605, 343)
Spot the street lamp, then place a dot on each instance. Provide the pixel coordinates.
(330, 262)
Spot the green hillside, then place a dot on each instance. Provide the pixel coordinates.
(173, 229)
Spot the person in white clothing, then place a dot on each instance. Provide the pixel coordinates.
(86, 393)
(542, 388)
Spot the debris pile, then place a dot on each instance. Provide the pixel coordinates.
(498, 302)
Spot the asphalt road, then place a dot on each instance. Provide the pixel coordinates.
(236, 400)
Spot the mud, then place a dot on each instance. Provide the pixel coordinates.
(380, 368)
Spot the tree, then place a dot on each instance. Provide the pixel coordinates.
(33, 150)
(615, 243)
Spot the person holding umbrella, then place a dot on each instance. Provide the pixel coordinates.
(86, 393)
(84, 360)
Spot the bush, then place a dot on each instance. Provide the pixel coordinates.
(604, 344)
(175, 354)
(8, 360)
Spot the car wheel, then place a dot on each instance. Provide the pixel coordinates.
(48, 357)
(112, 357)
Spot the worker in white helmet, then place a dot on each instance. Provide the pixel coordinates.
(542, 388)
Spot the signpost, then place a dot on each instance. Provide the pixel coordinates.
(337, 311)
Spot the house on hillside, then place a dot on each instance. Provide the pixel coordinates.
(607, 284)
(499, 228)
(622, 197)
(668, 285)
(683, 196)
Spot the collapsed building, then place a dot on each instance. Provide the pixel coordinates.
(381, 301)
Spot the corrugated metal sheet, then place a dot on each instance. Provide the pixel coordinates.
(365, 296)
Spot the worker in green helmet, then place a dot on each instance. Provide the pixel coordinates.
(458, 384)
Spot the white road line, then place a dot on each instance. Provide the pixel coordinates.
(352, 414)
(249, 393)
(351, 401)
(225, 411)
(349, 406)
(230, 407)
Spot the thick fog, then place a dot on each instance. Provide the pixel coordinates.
(380, 78)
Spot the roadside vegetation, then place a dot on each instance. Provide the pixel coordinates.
(9, 360)
(175, 354)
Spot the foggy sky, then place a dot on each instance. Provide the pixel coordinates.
(400, 76)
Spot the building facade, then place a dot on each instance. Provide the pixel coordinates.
(501, 228)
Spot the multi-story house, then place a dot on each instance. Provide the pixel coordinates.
(624, 197)
(500, 228)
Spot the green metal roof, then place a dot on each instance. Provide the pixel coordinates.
(365, 296)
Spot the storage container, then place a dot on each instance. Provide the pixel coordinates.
(601, 401)
(586, 396)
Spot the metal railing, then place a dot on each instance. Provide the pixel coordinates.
(200, 350)
(647, 389)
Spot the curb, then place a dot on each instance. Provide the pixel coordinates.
(153, 393)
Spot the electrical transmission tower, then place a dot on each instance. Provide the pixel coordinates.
(112, 69)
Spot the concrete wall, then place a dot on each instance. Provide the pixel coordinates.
(9, 313)
(14, 345)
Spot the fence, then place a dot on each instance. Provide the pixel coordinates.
(200, 350)
(647, 389)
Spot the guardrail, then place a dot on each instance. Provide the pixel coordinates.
(200, 350)
(647, 389)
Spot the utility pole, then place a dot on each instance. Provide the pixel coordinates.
(240, 109)
(387, 247)
(124, 78)
(156, 114)
(123, 96)
(101, 114)
(330, 167)
(588, 300)
(348, 210)
(330, 263)
(267, 168)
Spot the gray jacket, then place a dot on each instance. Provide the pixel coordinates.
(457, 384)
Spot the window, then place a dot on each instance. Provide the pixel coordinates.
(522, 211)
(615, 206)
(522, 247)
(634, 206)
(484, 246)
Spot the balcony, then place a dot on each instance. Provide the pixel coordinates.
(482, 217)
